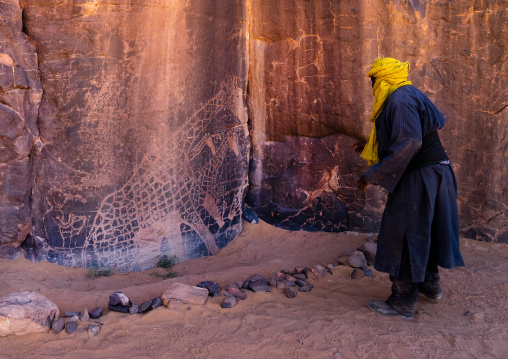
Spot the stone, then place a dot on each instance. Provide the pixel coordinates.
(119, 298)
(280, 285)
(276, 278)
(300, 276)
(301, 270)
(289, 292)
(156, 303)
(213, 287)
(367, 272)
(119, 308)
(185, 293)
(319, 271)
(71, 326)
(355, 259)
(369, 251)
(93, 330)
(357, 273)
(306, 288)
(84, 315)
(145, 306)
(234, 290)
(71, 314)
(58, 325)
(290, 283)
(229, 301)
(259, 279)
(73, 319)
(259, 286)
(26, 313)
(134, 308)
(96, 313)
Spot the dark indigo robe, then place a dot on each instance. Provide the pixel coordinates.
(422, 203)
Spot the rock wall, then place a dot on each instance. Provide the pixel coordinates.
(127, 126)
(310, 100)
(144, 144)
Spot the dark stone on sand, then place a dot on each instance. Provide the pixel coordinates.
(254, 278)
(69, 314)
(118, 298)
(289, 292)
(213, 287)
(369, 251)
(96, 313)
(229, 301)
(156, 303)
(235, 291)
(119, 308)
(301, 270)
(367, 272)
(306, 288)
(260, 285)
(289, 283)
(93, 330)
(58, 325)
(134, 308)
(143, 307)
(71, 326)
(300, 276)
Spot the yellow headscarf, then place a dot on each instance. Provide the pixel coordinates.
(390, 74)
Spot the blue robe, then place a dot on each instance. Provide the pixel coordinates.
(422, 203)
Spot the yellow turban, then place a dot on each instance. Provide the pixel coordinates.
(390, 74)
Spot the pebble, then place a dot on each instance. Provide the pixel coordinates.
(255, 278)
(367, 272)
(71, 314)
(260, 286)
(289, 284)
(119, 308)
(289, 292)
(58, 325)
(467, 313)
(229, 301)
(71, 326)
(93, 330)
(84, 316)
(96, 313)
(280, 285)
(300, 276)
(250, 216)
(74, 318)
(143, 307)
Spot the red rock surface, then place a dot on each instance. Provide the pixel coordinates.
(124, 130)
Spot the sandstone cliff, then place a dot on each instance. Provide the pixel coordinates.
(128, 126)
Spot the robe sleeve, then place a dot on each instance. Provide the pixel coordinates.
(404, 138)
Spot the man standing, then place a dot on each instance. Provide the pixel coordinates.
(420, 225)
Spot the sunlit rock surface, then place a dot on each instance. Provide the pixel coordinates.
(128, 126)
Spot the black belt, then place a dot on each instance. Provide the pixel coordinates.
(430, 153)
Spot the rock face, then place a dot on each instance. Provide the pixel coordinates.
(26, 313)
(124, 131)
(310, 100)
(20, 96)
(143, 127)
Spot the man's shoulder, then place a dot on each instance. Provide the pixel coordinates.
(407, 93)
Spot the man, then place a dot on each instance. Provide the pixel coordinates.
(420, 226)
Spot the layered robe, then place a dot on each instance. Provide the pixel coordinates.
(422, 202)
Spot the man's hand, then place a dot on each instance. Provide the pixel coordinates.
(363, 184)
(358, 146)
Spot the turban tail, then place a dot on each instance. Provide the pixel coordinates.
(390, 74)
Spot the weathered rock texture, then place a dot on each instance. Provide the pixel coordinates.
(310, 100)
(20, 95)
(143, 126)
(26, 313)
(124, 124)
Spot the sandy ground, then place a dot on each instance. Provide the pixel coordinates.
(329, 322)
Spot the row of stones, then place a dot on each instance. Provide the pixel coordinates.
(18, 309)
